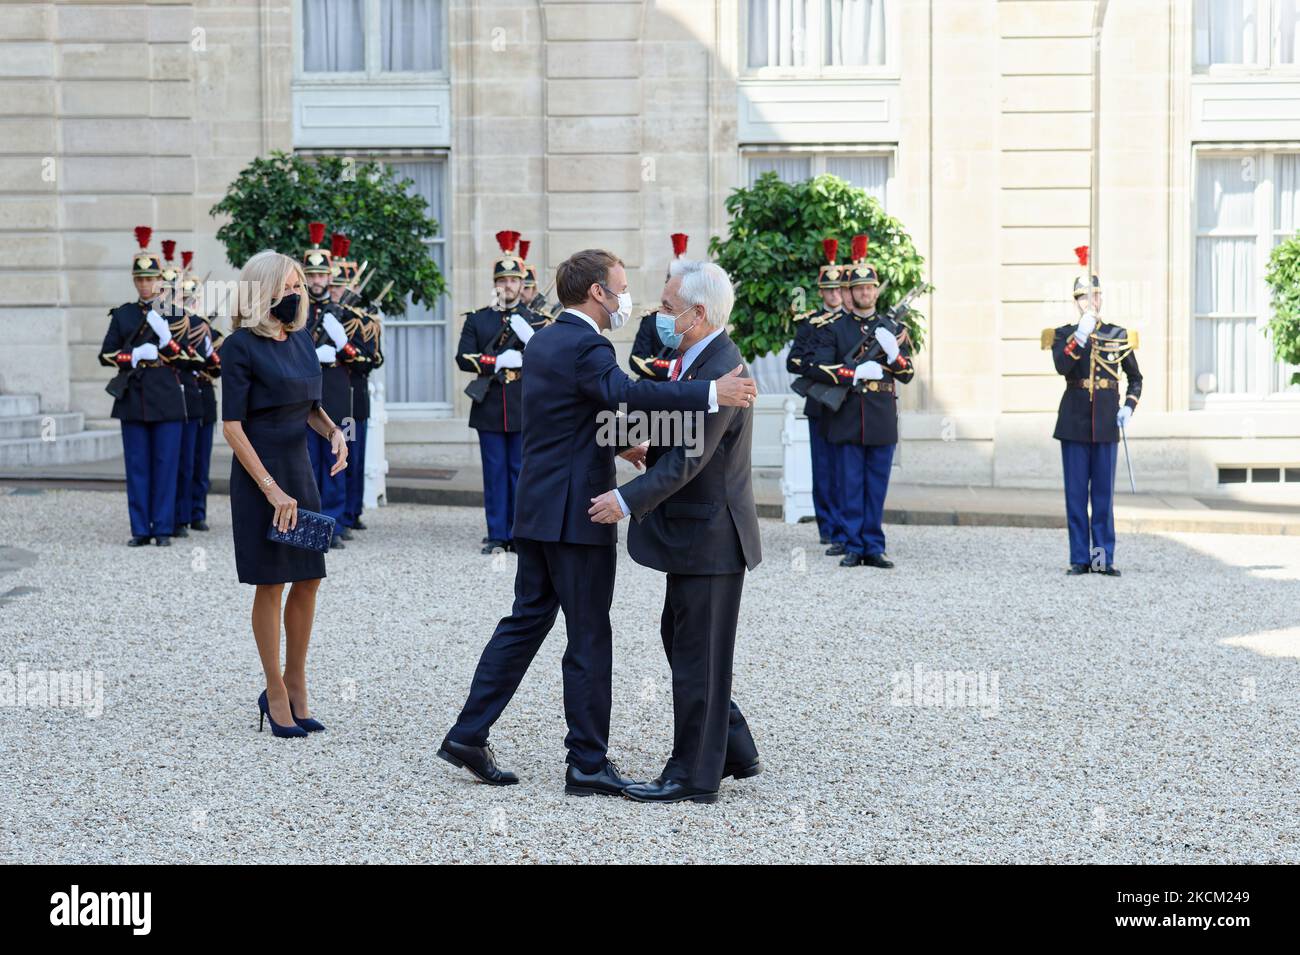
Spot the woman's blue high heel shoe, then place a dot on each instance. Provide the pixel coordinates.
(276, 728)
(307, 723)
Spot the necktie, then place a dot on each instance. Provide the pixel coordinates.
(677, 371)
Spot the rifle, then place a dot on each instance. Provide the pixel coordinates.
(119, 383)
(478, 388)
(868, 349)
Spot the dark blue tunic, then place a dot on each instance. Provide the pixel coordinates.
(271, 386)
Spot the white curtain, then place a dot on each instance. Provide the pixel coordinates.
(778, 33)
(1287, 27)
(787, 168)
(1225, 271)
(866, 172)
(1225, 31)
(855, 32)
(411, 35)
(415, 343)
(333, 36)
(1286, 193)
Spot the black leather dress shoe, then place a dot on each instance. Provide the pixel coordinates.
(336, 543)
(163, 541)
(491, 547)
(825, 541)
(138, 541)
(479, 760)
(835, 550)
(345, 533)
(850, 559)
(606, 781)
(199, 526)
(182, 530)
(1077, 570)
(359, 525)
(668, 790)
(877, 560)
(1110, 572)
(742, 772)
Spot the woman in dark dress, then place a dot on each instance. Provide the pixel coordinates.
(271, 387)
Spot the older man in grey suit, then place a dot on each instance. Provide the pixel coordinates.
(694, 519)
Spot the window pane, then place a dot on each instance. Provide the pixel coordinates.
(787, 168)
(1287, 27)
(411, 35)
(1225, 347)
(415, 357)
(778, 33)
(1286, 193)
(333, 36)
(1225, 192)
(1225, 31)
(855, 32)
(1225, 276)
(866, 172)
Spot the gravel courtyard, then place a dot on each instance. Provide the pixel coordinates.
(973, 705)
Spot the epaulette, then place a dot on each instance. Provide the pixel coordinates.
(802, 315)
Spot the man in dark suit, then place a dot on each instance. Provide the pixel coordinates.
(694, 519)
(565, 561)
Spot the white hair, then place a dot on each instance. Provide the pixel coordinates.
(707, 284)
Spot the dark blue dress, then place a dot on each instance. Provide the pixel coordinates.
(271, 386)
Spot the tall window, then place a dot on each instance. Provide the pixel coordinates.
(415, 344)
(869, 171)
(1259, 33)
(372, 37)
(815, 35)
(1246, 202)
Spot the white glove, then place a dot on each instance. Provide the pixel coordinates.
(326, 354)
(160, 328)
(1087, 322)
(868, 371)
(889, 342)
(205, 346)
(510, 358)
(145, 352)
(334, 329)
(522, 328)
(1125, 412)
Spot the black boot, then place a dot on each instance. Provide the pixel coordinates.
(850, 560)
(139, 541)
(1077, 570)
(877, 560)
(835, 550)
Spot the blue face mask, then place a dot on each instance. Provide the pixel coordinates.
(666, 326)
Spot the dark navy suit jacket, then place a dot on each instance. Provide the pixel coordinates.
(571, 376)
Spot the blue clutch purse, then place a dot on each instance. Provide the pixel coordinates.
(314, 532)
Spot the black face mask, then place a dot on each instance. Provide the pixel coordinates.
(286, 310)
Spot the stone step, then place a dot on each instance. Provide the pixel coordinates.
(34, 426)
(68, 449)
(12, 406)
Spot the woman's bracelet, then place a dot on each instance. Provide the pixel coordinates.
(267, 481)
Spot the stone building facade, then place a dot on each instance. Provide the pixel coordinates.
(617, 122)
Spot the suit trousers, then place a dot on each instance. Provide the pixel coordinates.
(501, 453)
(202, 473)
(825, 503)
(333, 488)
(185, 470)
(152, 452)
(864, 476)
(1090, 474)
(552, 576)
(698, 627)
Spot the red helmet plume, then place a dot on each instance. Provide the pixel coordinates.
(679, 243)
(860, 243)
(832, 248)
(1081, 253)
(168, 248)
(186, 259)
(142, 235)
(524, 246)
(339, 245)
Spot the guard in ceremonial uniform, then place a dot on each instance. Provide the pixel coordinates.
(830, 277)
(491, 348)
(1090, 354)
(363, 331)
(170, 304)
(650, 358)
(148, 400)
(206, 342)
(532, 297)
(868, 356)
(325, 325)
